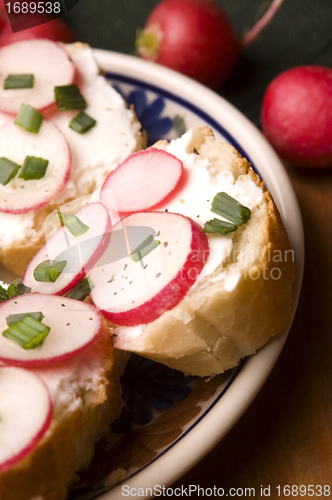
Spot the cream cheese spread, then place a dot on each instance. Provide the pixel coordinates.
(194, 199)
(202, 183)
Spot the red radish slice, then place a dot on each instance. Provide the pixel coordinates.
(19, 195)
(131, 293)
(73, 326)
(46, 60)
(26, 413)
(141, 181)
(81, 252)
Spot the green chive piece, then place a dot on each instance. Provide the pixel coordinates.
(29, 118)
(82, 290)
(49, 272)
(27, 332)
(82, 123)
(69, 97)
(13, 318)
(8, 170)
(3, 294)
(144, 248)
(74, 225)
(17, 288)
(227, 207)
(25, 81)
(219, 226)
(33, 168)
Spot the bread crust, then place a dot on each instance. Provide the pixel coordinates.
(212, 328)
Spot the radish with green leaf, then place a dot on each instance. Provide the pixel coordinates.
(46, 61)
(153, 260)
(28, 182)
(49, 329)
(71, 252)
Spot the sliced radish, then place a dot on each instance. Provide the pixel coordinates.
(47, 61)
(25, 414)
(73, 326)
(141, 181)
(81, 253)
(131, 293)
(19, 195)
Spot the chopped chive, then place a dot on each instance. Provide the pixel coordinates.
(8, 170)
(144, 248)
(27, 332)
(33, 168)
(74, 225)
(29, 118)
(82, 123)
(25, 81)
(13, 318)
(228, 207)
(49, 272)
(69, 97)
(82, 290)
(17, 288)
(219, 226)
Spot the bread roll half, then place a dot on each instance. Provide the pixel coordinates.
(236, 306)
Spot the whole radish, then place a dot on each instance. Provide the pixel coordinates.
(3, 17)
(55, 30)
(297, 115)
(196, 38)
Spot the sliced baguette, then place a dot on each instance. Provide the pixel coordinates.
(22, 235)
(217, 324)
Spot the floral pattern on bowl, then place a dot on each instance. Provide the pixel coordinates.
(150, 115)
(169, 404)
